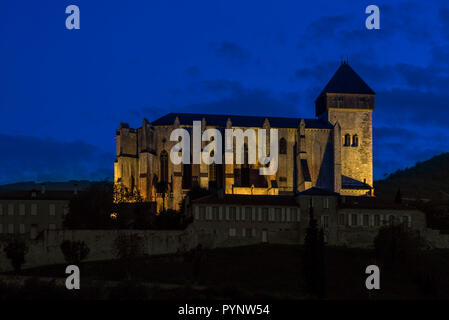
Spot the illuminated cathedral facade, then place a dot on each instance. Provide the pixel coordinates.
(333, 151)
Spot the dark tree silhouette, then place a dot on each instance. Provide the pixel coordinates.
(15, 251)
(313, 259)
(398, 197)
(74, 251)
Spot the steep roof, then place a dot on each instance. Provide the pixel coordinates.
(220, 120)
(346, 80)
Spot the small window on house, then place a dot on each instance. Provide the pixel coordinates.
(232, 232)
(271, 215)
(341, 219)
(405, 221)
(33, 231)
(376, 220)
(248, 213)
(243, 232)
(254, 232)
(347, 142)
(265, 214)
(366, 220)
(355, 140)
(354, 220)
(391, 220)
(215, 213)
(278, 212)
(282, 146)
(51, 226)
(232, 215)
(52, 209)
(10, 209)
(294, 214)
(1, 209)
(10, 228)
(202, 213)
(33, 209)
(22, 228)
(288, 215)
(259, 214)
(208, 213)
(326, 203)
(22, 209)
(249, 232)
(325, 221)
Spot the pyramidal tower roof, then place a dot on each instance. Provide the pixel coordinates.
(346, 80)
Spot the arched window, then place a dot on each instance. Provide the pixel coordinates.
(282, 146)
(355, 140)
(164, 166)
(347, 140)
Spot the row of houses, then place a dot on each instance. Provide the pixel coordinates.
(230, 219)
(227, 219)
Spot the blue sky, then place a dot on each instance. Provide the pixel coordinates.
(64, 92)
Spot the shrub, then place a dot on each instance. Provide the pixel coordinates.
(16, 250)
(74, 251)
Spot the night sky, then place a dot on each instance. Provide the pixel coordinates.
(64, 92)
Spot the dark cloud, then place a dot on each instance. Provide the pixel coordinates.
(234, 98)
(231, 51)
(31, 158)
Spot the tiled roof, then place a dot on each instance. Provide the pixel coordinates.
(36, 195)
(346, 80)
(239, 121)
(318, 192)
(280, 200)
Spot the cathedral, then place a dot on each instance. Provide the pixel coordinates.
(333, 151)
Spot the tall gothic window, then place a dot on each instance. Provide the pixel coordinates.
(282, 146)
(355, 140)
(347, 140)
(164, 166)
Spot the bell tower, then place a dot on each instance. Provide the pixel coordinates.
(349, 101)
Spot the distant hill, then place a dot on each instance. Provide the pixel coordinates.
(426, 180)
(51, 186)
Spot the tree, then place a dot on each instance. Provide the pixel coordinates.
(74, 251)
(15, 250)
(398, 197)
(91, 208)
(313, 259)
(397, 243)
(128, 247)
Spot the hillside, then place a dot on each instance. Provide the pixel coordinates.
(426, 180)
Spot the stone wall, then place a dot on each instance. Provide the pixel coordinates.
(46, 250)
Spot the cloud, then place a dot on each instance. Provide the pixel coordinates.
(231, 51)
(28, 158)
(225, 96)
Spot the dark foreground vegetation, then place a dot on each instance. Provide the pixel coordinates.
(262, 271)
